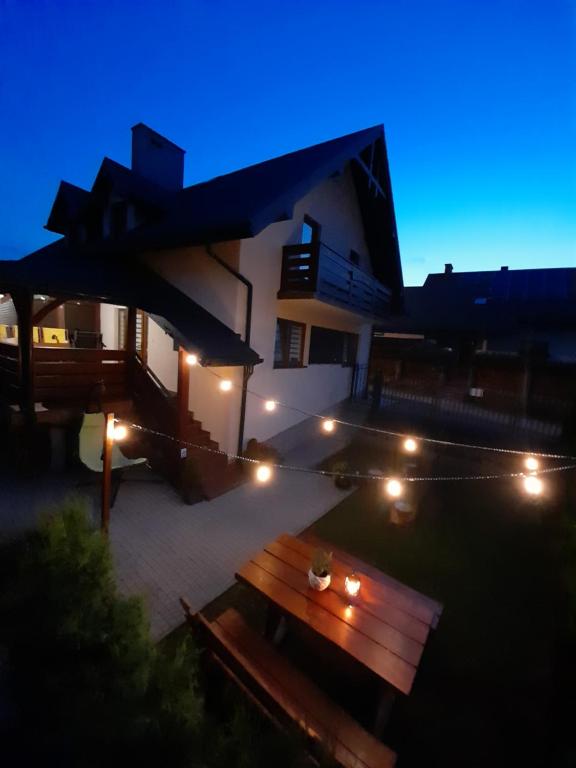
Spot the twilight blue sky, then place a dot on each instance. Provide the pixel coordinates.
(477, 97)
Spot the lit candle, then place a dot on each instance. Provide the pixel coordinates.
(352, 585)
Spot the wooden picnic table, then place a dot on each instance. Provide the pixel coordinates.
(385, 629)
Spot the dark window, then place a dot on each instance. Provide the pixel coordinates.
(329, 347)
(310, 231)
(118, 218)
(354, 257)
(289, 346)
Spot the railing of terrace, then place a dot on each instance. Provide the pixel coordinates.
(314, 270)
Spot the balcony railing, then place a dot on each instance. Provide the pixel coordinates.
(314, 270)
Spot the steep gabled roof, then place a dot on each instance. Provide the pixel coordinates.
(242, 203)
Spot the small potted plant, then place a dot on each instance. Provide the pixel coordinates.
(319, 573)
(341, 469)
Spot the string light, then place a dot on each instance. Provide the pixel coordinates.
(328, 425)
(531, 463)
(263, 473)
(399, 435)
(270, 405)
(118, 432)
(225, 385)
(192, 359)
(394, 488)
(352, 475)
(533, 485)
(410, 445)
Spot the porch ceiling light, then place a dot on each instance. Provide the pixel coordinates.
(531, 463)
(270, 405)
(533, 485)
(263, 473)
(192, 359)
(225, 385)
(328, 425)
(394, 488)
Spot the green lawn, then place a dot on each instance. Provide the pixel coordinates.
(489, 555)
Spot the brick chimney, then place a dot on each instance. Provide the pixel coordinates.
(156, 158)
(448, 269)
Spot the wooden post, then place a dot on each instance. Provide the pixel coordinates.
(183, 394)
(107, 472)
(24, 302)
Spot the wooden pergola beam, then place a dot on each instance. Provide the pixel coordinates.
(46, 309)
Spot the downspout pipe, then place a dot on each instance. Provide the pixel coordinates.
(247, 371)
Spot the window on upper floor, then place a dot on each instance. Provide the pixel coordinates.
(289, 345)
(310, 231)
(330, 347)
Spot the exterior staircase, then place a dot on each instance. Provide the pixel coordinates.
(195, 472)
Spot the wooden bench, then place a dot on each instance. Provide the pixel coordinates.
(284, 694)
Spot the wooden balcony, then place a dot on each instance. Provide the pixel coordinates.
(315, 271)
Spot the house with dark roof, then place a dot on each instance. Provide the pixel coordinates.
(509, 334)
(271, 278)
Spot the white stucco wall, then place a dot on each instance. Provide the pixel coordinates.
(197, 275)
(314, 388)
(109, 325)
(162, 358)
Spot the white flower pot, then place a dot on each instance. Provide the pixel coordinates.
(318, 582)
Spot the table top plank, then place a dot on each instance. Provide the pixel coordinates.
(334, 600)
(368, 652)
(390, 590)
(371, 597)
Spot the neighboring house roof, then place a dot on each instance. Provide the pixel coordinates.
(498, 302)
(242, 203)
(59, 270)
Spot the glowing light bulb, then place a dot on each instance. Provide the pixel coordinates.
(263, 473)
(533, 485)
(352, 585)
(192, 359)
(410, 445)
(270, 405)
(328, 425)
(394, 488)
(225, 385)
(531, 463)
(119, 432)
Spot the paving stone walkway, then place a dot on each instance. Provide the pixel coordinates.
(164, 548)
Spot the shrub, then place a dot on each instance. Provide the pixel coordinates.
(88, 683)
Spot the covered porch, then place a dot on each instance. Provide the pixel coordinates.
(51, 364)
